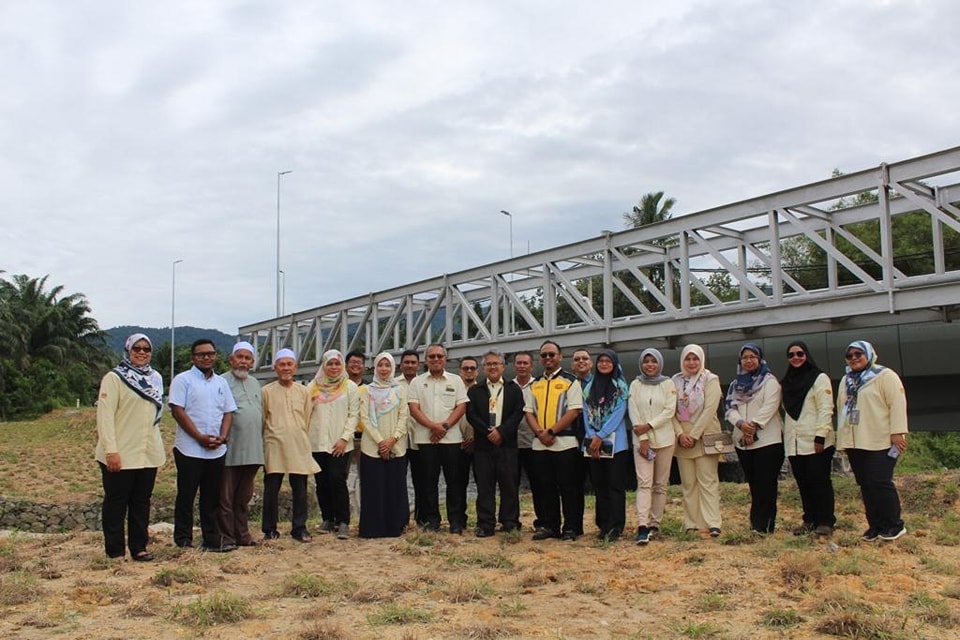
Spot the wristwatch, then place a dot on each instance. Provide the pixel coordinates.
(445, 426)
(550, 431)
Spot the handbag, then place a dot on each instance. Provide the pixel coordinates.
(717, 443)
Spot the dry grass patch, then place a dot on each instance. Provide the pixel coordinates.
(494, 560)
(9, 558)
(103, 593)
(486, 632)
(324, 630)
(535, 578)
(778, 618)
(19, 587)
(219, 608)
(399, 614)
(463, 591)
(308, 585)
(183, 574)
(151, 606)
(800, 570)
(932, 610)
(861, 626)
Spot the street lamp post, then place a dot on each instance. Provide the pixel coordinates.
(173, 316)
(280, 174)
(509, 215)
(283, 292)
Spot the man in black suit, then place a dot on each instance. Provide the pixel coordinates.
(495, 410)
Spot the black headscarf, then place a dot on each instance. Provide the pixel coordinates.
(798, 380)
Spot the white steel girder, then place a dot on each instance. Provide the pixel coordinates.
(651, 285)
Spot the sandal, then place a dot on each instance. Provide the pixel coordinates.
(142, 556)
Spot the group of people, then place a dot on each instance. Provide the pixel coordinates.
(557, 428)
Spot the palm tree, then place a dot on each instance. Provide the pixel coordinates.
(653, 208)
(51, 350)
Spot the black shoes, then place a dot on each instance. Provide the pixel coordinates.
(223, 548)
(271, 535)
(483, 533)
(543, 533)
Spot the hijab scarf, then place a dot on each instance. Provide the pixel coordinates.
(143, 381)
(747, 383)
(856, 380)
(605, 393)
(655, 379)
(383, 393)
(798, 381)
(323, 389)
(690, 387)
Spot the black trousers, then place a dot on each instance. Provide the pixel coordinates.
(493, 468)
(195, 474)
(873, 471)
(126, 497)
(610, 478)
(558, 489)
(271, 492)
(447, 458)
(761, 467)
(812, 473)
(333, 496)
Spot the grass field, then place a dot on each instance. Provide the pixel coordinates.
(426, 585)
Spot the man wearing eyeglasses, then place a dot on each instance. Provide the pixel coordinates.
(437, 401)
(203, 405)
(553, 405)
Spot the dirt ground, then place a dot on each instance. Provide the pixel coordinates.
(427, 585)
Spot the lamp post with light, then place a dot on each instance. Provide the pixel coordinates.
(280, 174)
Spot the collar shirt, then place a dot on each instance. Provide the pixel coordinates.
(246, 429)
(549, 398)
(204, 400)
(437, 397)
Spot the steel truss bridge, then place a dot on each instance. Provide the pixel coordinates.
(657, 285)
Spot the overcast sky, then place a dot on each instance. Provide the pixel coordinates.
(133, 134)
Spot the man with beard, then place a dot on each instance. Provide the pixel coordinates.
(554, 402)
(203, 407)
(245, 449)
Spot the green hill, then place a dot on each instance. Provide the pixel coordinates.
(185, 335)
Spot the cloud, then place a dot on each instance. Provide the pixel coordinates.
(132, 135)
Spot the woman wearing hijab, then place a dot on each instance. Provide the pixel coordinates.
(808, 437)
(872, 429)
(336, 411)
(652, 404)
(606, 443)
(753, 408)
(129, 448)
(698, 397)
(384, 506)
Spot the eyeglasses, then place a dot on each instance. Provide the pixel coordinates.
(468, 368)
(853, 355)
(582, 359)
(549, 354)
(796, 354)
(205, 354)
(141, 349)
(749, 358)
(435, 356)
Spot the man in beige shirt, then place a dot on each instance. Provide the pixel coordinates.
(437, 401)
(286, 446)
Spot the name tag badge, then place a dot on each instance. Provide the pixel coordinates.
(854, 416)
(492, 419)
(449, 389)
(559, 385)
